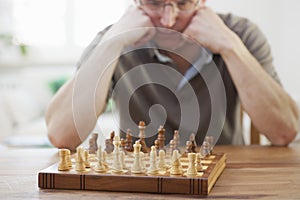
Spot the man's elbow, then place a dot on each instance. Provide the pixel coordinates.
(285, 137)
(62, 139)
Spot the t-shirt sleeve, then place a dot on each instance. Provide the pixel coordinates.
(254, 40)
(90, 48)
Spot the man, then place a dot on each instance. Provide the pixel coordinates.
(234, 46)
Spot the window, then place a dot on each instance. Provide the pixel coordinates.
(40, 23)
(53, 27)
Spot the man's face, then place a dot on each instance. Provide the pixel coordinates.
(170, 17)
(170, 14)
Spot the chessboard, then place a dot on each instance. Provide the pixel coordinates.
(201, 184)
(127, 167)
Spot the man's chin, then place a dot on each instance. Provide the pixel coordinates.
(170, 43)
(166, 31)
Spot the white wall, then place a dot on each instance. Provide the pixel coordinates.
(279, 20)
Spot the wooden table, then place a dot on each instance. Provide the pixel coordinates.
(252, 172)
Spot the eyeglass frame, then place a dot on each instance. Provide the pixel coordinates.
(169, 3)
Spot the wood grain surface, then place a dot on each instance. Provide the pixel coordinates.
(252, 172)
(51, 178)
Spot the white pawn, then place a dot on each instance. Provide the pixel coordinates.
(136, 167)
(176, 168)
(198, 163)
(69, 158)
(122, 157)
(117, 165)
(192, 170)
(86, 159)
(79, 166)
(205, 151)
(142, 160)
(161, 160)
(153, 169)
(63, 163)
(100, 167)
(104, 154)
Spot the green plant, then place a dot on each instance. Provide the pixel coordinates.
(8, 40)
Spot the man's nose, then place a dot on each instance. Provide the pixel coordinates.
(168, 17)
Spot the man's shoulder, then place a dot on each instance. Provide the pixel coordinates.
(239, 25)
(89, 49)
(249, 32)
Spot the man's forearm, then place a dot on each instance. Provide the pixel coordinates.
(73, 112)
(270, 108)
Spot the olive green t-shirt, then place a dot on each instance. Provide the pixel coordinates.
(142, 97)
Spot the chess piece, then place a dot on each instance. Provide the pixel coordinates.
(100, 167)
(210, 142)
(193, 141)
(63, 162)
(192, 170)
(161, 138)
(161, 160)
(79, 166)
(104, 159)
(117, 165)
(199, 166)
(137, 168)
(172, 147)
(112, 136)
(128, 141)
(123, 143)
(176, 168)
(122, 157)
(188, 148)
(93, 146)
(153, 169)
(69, 158)
(86, 158)
(109, 147)
(142, 161)
(142, 136)
(176, 139)
(204, 149)
(156, 144)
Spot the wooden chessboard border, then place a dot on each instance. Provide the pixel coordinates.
(51, 178)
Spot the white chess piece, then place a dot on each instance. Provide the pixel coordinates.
(204, 149)
(198, 163)
(104, 154)
(137, 168)
(176, 168)
(63, 163)
(117, 165)
(142, 160)
(192, 170)
(69, 159)
(86, 159)
(153, 169)
(122, 157)
(161, 160)
(79, 166)
(100, 167)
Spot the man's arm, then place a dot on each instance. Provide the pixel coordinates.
(271, 109)
(73, 111)
(76, 97)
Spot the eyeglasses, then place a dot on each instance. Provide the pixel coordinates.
(159, 5)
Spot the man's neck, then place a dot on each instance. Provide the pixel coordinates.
(183, 60)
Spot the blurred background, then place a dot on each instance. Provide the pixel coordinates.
(41, 41)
